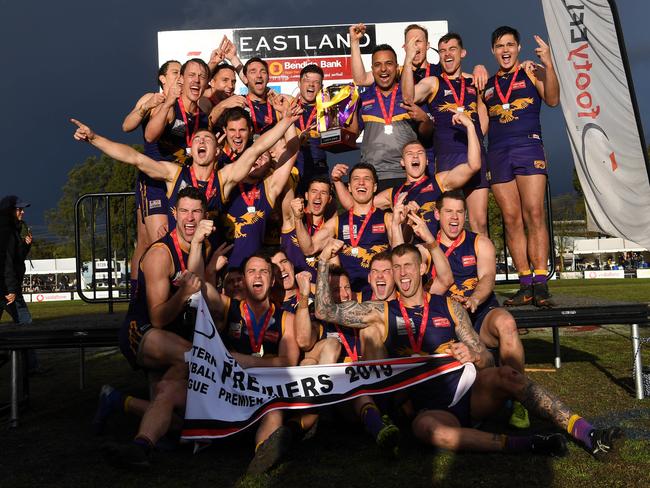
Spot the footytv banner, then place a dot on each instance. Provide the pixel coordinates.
(224, 398)
(600, 114)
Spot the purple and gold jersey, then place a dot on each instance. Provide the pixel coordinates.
(517, 121)
(382, 145)
(290, 246)
(374, 239)
(450, 138)
(431, 70)
(262, 114)
(245, 224)
(312, 159)
(172, 144)
(236, 335)
(463, 261)
(424, 192)
(137, 320)
(439, 327)
(182, 180)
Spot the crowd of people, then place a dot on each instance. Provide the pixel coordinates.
(301, 265)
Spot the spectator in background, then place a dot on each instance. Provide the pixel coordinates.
(14, 248)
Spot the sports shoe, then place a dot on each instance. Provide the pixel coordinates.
(541, 296)
(604, 441)
(519, 417)
(388, 437)
(549, 445)
(110, 400)
(126, 455)
(524, 296)
(271, 451)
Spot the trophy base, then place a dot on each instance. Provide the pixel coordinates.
(338, 140)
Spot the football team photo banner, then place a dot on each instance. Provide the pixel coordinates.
(223, 398)
(601, 114)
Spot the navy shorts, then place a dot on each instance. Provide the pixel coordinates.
(151, 196)
(504, 164)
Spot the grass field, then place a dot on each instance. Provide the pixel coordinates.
(630, 290)
(54, 445)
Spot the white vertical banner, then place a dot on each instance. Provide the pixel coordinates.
(600, 113)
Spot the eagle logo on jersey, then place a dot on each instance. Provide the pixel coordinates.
(426, 211)
(453, 108)
(235, 224)
(465, 288)
(507, 116)
(364, 254)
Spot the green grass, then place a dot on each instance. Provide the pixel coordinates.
(632, 290)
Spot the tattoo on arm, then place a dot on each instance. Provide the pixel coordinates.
(350, 313)
(544, 404)
(466, 333)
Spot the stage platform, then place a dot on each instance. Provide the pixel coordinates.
(101, 330)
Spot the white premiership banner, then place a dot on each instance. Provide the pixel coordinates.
(289, 49)
(600, 113)
(223, 398)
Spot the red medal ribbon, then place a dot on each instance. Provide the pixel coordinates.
(352, 353)
(449, 250)
(459, 101)
(177, 246)
(267, 119)
(255, 344)
(246, 195)
(312, 114)
(408, 192)
(505, 99)
(416, 346)
(388, 117)
(208, 187)
(189, 136)
(310, 224)
(354, 240)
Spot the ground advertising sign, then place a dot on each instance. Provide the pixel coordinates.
(289, 49)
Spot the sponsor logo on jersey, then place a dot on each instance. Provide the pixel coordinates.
(440, 322)
(489, 93)
(378, 228)
(518, 85)
(469, 261)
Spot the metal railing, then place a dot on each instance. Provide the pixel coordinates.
(104, 226)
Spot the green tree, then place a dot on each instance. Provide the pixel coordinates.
(94, 175)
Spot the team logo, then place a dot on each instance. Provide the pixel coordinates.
(235, 224)
(539, 164)
(469, 260)
(363, 254)
(507, 115)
